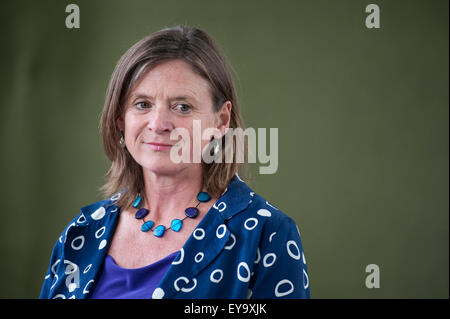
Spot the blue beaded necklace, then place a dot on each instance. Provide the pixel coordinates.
(176, 223)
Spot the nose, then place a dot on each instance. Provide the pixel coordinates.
(160, 120)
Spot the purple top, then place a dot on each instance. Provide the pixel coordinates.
(115, 282)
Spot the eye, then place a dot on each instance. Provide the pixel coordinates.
(183, 108)
(141, 105)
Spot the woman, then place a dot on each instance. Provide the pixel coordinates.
(168, 229)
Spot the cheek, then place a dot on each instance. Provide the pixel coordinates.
(132, 127)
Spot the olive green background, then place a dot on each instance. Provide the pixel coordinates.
(362, 117)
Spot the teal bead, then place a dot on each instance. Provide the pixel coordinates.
(137, 202)
(203, 197)
(147, 226)
(176, 225)
(159, 231)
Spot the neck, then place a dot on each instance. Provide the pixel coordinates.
(166, 196)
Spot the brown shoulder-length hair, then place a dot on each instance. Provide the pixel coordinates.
(198, 49)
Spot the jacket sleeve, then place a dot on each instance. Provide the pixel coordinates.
(280, 267)
(51, 277)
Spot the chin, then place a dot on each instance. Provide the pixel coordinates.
(162, 167)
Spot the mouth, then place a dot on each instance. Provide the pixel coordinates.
(159, 146)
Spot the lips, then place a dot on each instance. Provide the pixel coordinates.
(155, 146)
(158, 144)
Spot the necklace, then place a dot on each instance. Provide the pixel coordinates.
(176, 223)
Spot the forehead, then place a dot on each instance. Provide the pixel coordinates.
(174, 78)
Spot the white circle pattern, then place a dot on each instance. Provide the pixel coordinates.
(199, 257)
(116, 196)
(158, 293)
(284, 293)
(99, 233)
(85, 291)
(199, 237)
(221, 231)
(81, 219)
(264, 212)
(251, 219)
(212, 276)
(258, 256)
(74, 247)
(245, 278)
(271, 236)
(220, 209)
(102, 244)
(88, 267)
(267, 256)
(230, 246)
(305, 275)
(177, 262)
(98, 214)
(183, 289)
(288, 247)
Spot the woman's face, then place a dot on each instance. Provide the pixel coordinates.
(168, 97)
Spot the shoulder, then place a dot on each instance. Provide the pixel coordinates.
(80, 247)
(93, 214)
(256, 216)
(267, 216)
(275, 217)
(270, 240)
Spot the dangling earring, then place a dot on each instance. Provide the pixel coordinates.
(122, 140)
(216, 146)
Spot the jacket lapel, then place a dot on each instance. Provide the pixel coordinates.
(206, 242)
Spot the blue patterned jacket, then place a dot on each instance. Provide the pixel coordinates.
(243, 248)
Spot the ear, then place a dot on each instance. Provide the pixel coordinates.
(223, 117)
(121, 123)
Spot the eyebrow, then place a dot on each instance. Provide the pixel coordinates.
(178, 97)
